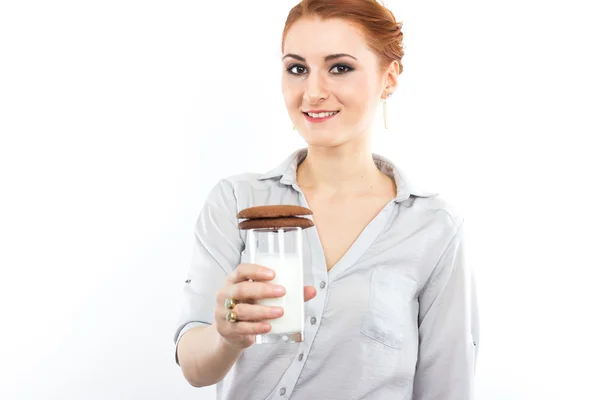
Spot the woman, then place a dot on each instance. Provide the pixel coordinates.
(390, 310)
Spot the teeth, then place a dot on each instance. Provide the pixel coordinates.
(322, 115)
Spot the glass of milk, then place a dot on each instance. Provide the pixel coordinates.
(281, 250)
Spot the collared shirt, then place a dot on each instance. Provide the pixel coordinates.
(395, 318)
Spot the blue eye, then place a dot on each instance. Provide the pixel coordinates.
(296, 69)
(340, 69)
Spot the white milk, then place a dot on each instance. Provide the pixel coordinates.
(289, 274)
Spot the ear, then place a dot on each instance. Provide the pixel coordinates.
(391, 78)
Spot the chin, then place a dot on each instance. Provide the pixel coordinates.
(323, 139)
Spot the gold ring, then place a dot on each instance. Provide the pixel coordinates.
(230, 303)
(231, 316)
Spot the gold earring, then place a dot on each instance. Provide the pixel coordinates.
(385, 114)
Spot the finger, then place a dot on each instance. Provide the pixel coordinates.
(250, 312)
(248, 291)
(247, 328)
(225, 292)
(310, 293)
(245, 272)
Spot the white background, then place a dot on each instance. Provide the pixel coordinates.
(117, 117)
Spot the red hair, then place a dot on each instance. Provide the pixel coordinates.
(378, 24)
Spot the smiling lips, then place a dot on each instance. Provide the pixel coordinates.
(319, 115)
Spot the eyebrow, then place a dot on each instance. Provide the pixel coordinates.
(327, 58)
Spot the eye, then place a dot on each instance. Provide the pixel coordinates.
(340, 69)
(296, 69)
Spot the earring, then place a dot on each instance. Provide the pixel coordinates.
(385, 114)
(293, 127)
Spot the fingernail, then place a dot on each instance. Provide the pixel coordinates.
(270, 273)
(279, 290)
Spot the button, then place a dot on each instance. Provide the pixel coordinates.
(281, 391)
(322, 285)
(301, 356)
(313, 320)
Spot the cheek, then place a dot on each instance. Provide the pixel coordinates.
(289, 86)
(354, 93)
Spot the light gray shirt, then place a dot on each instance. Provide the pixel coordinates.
(395, 318)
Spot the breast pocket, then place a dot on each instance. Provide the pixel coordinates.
(389, 307)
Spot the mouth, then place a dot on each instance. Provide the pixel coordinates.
(319, 115)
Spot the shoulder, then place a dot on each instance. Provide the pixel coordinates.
(245, 182)
(440, 211)
(238, 188)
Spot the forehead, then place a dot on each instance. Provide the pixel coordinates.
(311, 37)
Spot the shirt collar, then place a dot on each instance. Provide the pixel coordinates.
(286, 172)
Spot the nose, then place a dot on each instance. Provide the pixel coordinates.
(316, 90)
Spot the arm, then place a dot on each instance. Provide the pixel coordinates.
(448, 329)
(204, 358)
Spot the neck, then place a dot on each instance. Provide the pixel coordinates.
(341, 170)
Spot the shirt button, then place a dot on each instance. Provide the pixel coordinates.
(301, 356)
(322, 285)
(313, 320)
(281, 391)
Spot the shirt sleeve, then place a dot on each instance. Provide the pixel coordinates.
(216, 253)
(448, 329)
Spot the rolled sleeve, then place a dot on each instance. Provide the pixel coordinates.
(448, 329)
(216, 253)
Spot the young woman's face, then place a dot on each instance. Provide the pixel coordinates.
(332, 82)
